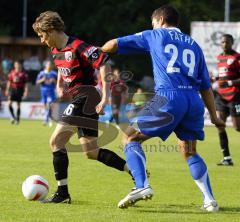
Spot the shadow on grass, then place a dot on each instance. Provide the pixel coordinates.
(230, 210)
(182, 209)
(81, 202)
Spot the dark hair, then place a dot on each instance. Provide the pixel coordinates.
(169, 14)
(48, 21)
(229, 37)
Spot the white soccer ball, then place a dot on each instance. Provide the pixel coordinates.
(35, 188)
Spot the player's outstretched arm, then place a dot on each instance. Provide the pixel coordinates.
(25, 91)
(110, 46)
(7, 88)
(104, 71)
(59, 86)
(208, 98)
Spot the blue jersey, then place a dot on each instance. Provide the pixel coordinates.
(178, 62)
(47, 85)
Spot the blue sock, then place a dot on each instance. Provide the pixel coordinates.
(198, 170)
(136, 161)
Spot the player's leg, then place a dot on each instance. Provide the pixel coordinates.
(199, 172)
(50, 100)
(10, 107)
(105, 156)
(116, 104)
(136, 161)
(223, 139)
(58, 140)
(223, 112)
(18, 112)
(44, 98)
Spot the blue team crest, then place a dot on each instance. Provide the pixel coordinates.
(68, 56)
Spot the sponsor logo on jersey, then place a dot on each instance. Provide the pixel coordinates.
(68, 56)
(91, 51)
(64, 71)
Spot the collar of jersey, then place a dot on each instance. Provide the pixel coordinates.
(177, 29)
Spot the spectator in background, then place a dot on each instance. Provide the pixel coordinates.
(118, 94)
(7, 65)
(16, 89)
(32, 65)
(47, 79)
(227, 98)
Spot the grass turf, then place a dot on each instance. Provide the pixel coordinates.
(96, 189)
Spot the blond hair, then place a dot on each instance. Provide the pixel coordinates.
(48, 21)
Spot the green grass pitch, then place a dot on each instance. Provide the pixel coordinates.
(96, 189)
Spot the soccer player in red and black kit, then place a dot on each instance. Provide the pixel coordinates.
(227, 98)
(16, 89)
(118, 94)
(76, 61)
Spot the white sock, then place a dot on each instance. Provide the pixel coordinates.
(203, 185)
(62, 182)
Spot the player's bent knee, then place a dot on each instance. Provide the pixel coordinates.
(91, 155)
(54, 144)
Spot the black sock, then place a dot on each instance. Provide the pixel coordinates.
(18, 114)
(224, 143)
(60, 164)
(11, 111)
(111, 159)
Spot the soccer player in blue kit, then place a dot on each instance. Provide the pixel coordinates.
(47, 78)
(180, 72)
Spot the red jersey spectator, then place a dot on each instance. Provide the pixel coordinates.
(16, 89)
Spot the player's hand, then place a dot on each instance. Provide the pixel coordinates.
(100, 106)
(60, 93)
(218, 122)
(6, 93)
(25, 95)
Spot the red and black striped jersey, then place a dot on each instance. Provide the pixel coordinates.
(17, 79)
(228, 69)
(76, 63)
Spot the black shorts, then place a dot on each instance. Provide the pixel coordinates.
(81, 112)
(229, 107)
(16, 94)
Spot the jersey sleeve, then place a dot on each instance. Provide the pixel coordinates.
(204, 75)
(136, 43)
(92, 55)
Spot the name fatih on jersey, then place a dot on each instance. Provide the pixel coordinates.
(180, 37)
(64, 71)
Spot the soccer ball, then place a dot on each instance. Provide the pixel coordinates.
(35, 188)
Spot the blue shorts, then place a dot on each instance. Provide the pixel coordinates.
(48, 96)
(179, 111)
